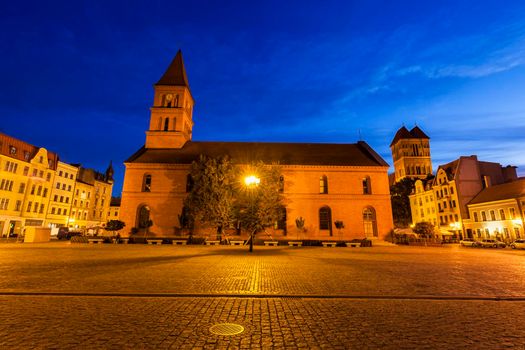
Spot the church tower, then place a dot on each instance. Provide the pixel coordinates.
(411, 154)
(171, 120)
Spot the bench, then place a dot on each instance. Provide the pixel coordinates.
(124, 240)
(95, 240)
(179, 242)
(271, 243)
(353, 244)
(213, 242)
(329, 244)
(295, 244)
(236, 242)
(154, 241)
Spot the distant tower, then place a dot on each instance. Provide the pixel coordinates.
(110, 172)
(171, 120)
(411, 154)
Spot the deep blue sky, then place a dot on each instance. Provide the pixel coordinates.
(77, 77)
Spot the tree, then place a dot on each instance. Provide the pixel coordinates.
(399, 193)
(211, 198)
(114, 225)
(259, 203)
(425, 229)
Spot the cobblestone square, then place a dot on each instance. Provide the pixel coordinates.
(60, 295)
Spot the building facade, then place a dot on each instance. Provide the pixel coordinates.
(411, 154)
(497, 212)
(36, 189)
(323, 183)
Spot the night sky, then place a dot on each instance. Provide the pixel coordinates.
(77, 78)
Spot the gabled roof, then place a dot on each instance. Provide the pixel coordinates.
(403, 133)
(175, 75)
(417, 133)
(510, 190)
(356, 154)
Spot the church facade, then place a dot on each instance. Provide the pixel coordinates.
(323, 183)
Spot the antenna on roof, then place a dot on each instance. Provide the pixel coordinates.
(360, 138)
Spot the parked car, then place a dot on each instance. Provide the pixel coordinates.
(491, 243)
(518, 244)
(468, 242)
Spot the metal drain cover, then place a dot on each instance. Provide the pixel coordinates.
(226, 329)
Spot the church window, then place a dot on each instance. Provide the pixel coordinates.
(323, 184)
(367, 189)
(369, 222)
(146, 183)
(189, 183)
(281, 184)
(166, 124)
(325, 219)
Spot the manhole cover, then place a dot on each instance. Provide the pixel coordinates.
(226, 329)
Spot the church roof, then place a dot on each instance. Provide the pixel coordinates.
(510, 190)
(175, 75)
(356, 154)
(403, 133)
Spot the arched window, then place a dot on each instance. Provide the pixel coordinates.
(143, 217)
(281, 223)
(281, 184)
(369, 222)
(323, 184)
(166, 124)
(325, 219)
(189, 183)
(146, 183)
(367, 189)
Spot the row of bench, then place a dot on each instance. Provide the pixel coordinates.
(266, 243)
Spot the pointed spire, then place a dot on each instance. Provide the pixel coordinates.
(110, 172)
(175, 75)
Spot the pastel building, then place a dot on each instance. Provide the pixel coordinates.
(322, 182)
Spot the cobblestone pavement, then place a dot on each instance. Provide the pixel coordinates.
(65, 296)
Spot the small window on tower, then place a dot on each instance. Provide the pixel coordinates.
(166, 124)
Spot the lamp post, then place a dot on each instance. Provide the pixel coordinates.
(251, 183)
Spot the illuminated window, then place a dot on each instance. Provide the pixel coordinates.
(367, 188)
(146, 183)
(323, 184)
(369, 222)
(492, 215)
(476, 218)
(502, 214)
(512, 213)
(483, 216)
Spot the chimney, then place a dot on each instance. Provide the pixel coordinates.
(509, 173)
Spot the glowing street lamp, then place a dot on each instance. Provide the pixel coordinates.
(252, 180)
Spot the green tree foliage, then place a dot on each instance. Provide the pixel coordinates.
(211, 199)
(114, 225)
(258, 206)
(424, 229)
(399, 193)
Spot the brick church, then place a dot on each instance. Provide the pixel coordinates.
(323, 183)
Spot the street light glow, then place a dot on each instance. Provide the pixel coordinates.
(252, 180)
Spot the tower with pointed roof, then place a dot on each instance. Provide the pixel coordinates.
(411, 154)
(171, 121)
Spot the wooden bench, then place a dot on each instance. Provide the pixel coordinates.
(213, 242)
(236, 242)
(353, 244)
(154, 241)
(179, 242)
(271, 243)
(329, 244)
(295, 244)
(95, 240)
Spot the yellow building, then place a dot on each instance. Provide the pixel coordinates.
(322, 182)
(457, 183)
(423, 202)
(411, 154)
(497, 212)
(91, 199)
(26, 176)
(61, 200)
(114, 209)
